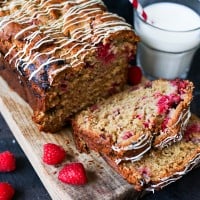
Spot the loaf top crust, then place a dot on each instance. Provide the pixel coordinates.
(43, 38)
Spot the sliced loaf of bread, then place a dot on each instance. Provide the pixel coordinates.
(127, 125)
(158, 168)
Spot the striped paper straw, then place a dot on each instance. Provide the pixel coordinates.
(139, 9)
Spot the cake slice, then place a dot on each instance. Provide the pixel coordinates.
(158, 168)
(128, 124)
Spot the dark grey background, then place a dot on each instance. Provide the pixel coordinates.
(27, 183)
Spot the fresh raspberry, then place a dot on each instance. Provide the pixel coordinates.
(104, 53)
(134, 75)
(7, 162)
(6, 191)
(53, 154)
(73, 173)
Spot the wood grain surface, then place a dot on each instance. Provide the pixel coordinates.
(103, 182)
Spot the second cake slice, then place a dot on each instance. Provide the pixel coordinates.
(159, 168)
(128, 124)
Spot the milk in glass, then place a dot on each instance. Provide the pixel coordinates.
(168, 40)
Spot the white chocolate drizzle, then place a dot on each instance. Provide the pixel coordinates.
(140, 143)
(136, 157)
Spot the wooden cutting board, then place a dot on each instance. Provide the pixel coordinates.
(103, 182)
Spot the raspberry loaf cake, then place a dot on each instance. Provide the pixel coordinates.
(128, 124)
(61, 56)
(158, 168)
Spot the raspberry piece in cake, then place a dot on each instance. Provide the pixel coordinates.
(180, 84)
(164, 123)
(104, 53)
(127, 135)
(166, 102)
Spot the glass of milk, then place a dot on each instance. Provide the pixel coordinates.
(169, 38)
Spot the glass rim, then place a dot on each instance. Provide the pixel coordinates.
(163, 29)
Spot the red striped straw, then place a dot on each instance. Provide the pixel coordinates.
(139, 9)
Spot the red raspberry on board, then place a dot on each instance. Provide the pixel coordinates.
(53, 154)
(73, 173)
(6, 191)
(134, 75)
(7, 162)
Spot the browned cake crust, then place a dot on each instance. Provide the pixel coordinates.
(128, 124)
(61, 56)
(158, 168)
